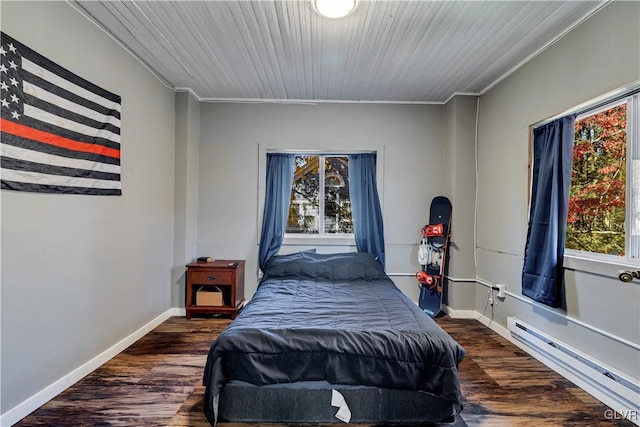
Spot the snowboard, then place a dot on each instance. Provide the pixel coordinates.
(433, 255)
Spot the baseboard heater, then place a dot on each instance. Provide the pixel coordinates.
(620, 393)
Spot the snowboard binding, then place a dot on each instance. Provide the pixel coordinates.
(435, 230)
(427, 279)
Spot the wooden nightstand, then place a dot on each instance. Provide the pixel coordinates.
(223, 276)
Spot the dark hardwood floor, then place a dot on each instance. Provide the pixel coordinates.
(157, 382)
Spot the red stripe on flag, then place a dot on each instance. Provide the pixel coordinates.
(58, 141)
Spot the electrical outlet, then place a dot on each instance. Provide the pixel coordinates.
(501, 290)
(491, 300)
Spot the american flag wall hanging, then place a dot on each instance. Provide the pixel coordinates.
(59, 132)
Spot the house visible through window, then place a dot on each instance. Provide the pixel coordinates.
(604, 202)
(320, 202)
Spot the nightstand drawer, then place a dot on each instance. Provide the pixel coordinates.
(211, 277)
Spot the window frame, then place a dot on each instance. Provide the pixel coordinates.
(632, 144)
(303, 241)
(593, 262)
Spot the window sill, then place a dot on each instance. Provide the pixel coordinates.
(310, 240)
(601, 265)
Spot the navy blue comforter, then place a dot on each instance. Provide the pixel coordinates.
(337, 318)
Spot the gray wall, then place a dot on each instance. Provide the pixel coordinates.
(186, 192)
(409, 140)
(460, 186)
(80, 273)
(600, 55)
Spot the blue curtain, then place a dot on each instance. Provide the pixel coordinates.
(365, 205)
(543, 274)
(280, 169)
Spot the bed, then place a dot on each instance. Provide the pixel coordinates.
(327, 335)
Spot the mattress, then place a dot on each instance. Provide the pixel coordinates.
(336, 318)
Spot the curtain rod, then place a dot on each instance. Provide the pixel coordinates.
(320, 152)
(595, 103)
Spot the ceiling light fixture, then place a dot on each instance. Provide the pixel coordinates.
(334, 8)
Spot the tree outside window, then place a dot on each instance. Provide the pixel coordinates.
(320, 202)
(597, 202)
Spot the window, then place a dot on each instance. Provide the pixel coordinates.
(320, 203)
(604, 201)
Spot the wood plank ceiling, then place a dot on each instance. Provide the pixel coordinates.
(385, 51)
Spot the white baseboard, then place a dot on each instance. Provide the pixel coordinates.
(499, 329)
(177, 312)
(23, 409)
(460, 314)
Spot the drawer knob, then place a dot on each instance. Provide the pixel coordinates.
(211, 277)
